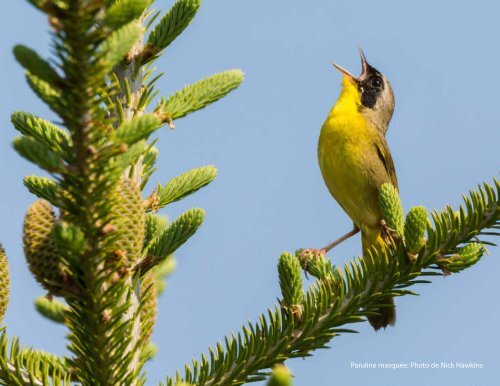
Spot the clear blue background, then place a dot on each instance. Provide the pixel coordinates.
(442, 59)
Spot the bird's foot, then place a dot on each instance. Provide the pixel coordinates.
(308, 256)
(386, 232)
(391, 238)
(389, 235)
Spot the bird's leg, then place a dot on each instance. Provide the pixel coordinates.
(306, 254)
(387, 233)
(340, 240)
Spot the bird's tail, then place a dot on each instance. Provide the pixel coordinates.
(387, 314)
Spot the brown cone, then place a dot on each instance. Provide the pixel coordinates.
(130, 220)
(4, 283)
(39, 248)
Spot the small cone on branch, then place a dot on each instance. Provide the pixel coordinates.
(414, 230)
(44, 259)
(4, 283)
(129, 220)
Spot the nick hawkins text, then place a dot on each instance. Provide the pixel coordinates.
(417, 365)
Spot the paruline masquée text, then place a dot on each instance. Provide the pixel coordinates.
(416, 365)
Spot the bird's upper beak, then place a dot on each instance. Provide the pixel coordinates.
(364, 67)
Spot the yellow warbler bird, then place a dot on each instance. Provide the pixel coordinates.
(355, 159)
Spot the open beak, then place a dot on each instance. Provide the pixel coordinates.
(364, 67)
(364, 63)
(344, 71)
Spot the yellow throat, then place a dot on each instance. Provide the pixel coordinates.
(349, 100)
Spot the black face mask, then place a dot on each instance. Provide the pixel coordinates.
(371, 86)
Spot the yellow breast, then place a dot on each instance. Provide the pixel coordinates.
(345, 151)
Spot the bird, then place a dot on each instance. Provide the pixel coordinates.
(355, 160)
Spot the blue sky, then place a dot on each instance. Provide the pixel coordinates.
(442, 60)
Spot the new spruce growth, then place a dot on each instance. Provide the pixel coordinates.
(392, 209)
(281, 377)
(290, 276)
(414, 230)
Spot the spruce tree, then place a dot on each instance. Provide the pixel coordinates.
(95, 240)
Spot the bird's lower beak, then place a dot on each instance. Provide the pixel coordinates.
(344, 71)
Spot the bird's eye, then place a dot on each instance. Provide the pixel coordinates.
(376, 82)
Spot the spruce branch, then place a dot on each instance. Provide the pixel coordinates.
(148, 164)
(182, 186)
(39, 154)
(21, 366)
(162, 271)
(464, 257)
(138, 128)
(48, 6)
(176, 234)
(118, 44)
(121, 12)
(46, 92)
(52, 137)
(154, 225)
(51, 309)
(41, 5)
(198, 95)
(128, 162)
(169, 27)
(34, 64)
(150, 352)
(347, 296)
